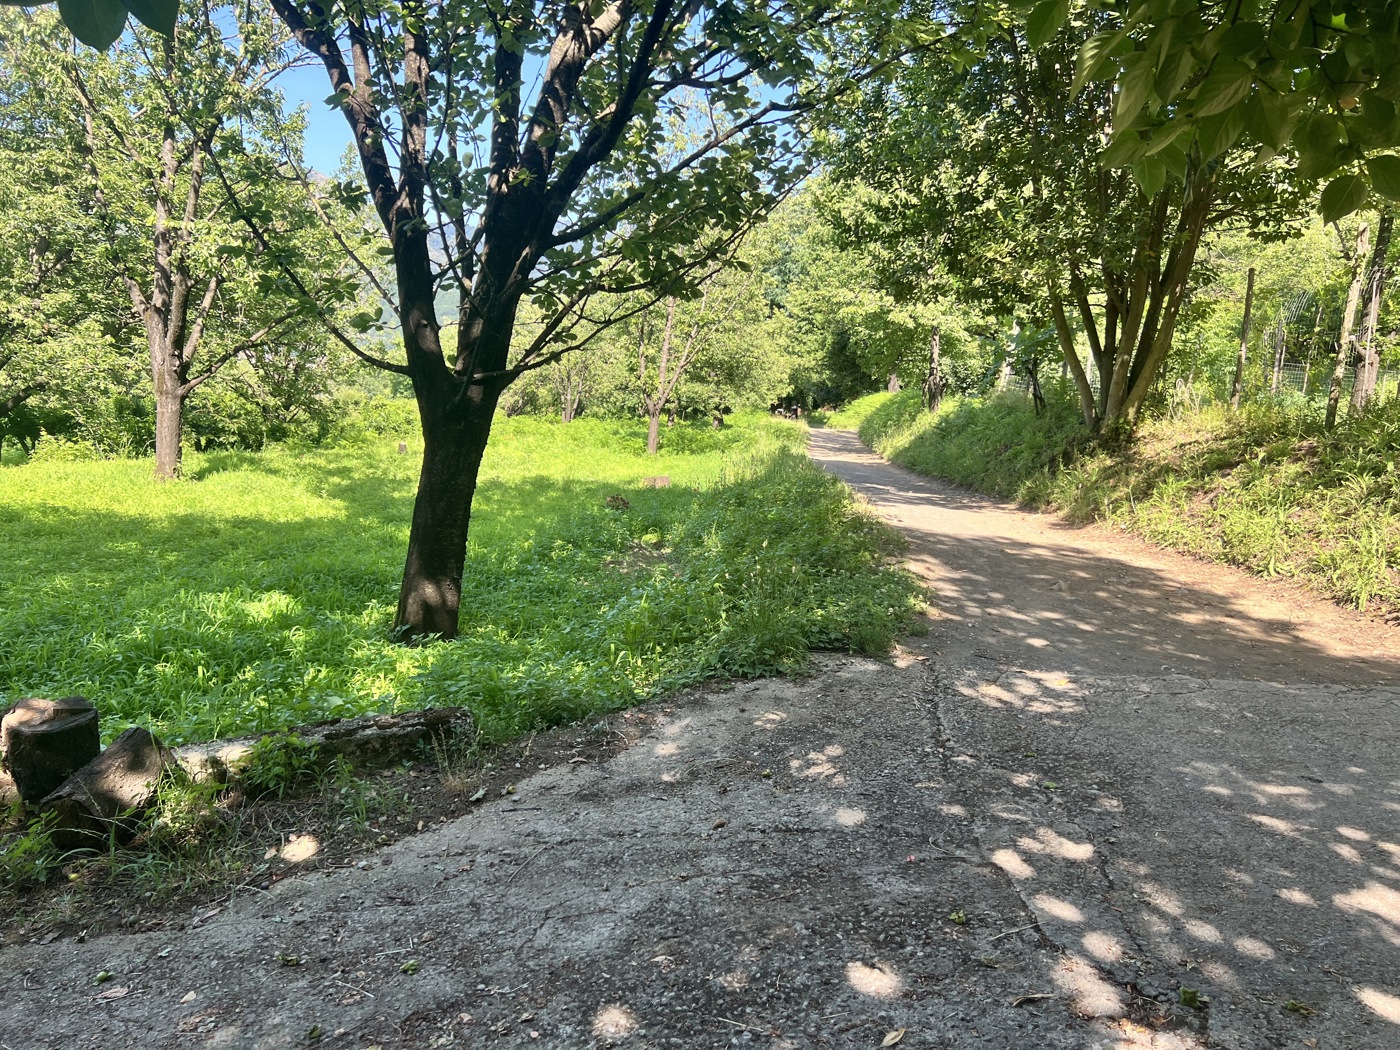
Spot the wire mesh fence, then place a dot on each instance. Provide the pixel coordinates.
(1311, 380)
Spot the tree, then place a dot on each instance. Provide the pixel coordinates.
(176, 138)
(1368, 359)
(60, 309)
(1008, 191)
(570, 197)
(707, 344)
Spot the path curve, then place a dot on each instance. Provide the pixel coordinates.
(1101, 777)
(1191, 777)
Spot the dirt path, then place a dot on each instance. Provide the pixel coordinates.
(1191, 777)
(1103, 776)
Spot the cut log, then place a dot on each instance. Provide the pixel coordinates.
(105, 800)
(364, 739)
(46, 741)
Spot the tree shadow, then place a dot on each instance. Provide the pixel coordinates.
(1188, 788)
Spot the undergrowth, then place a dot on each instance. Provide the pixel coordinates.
(1266, 488)
(258, 594)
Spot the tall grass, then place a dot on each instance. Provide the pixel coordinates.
(259, 593)
(1266, 488)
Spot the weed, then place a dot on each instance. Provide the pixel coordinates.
(258, 595)
(277, 763)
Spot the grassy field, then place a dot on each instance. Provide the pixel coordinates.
(1263, 488)
(258, 593)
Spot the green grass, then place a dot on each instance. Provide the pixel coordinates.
(1265, 488)
(258, 594)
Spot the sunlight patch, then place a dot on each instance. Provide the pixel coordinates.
(1380, 1003)
(878, 982)
(614, 1021)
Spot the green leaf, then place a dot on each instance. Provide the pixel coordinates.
(1150, 174)
(96, 23)
(1045, 21)
(1176, 68)
(159, 15)
(1316, 164)
(1221, 90)
(1133, 88)
(1384, 169)
(1169, 133)
(1126, 147)
(1092, 55)
(1343, 196)
(1266, 120)
(1221, 131)
(1174, 159)
(1241, 39)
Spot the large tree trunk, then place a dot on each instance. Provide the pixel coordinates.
(454, 441)
(1368, 367)
(1238, 388)
(170, 414)
(1344, 339)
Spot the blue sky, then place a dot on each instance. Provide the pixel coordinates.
(327, 134)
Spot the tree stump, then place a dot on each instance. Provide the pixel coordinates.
(108, 796)
(45, 741)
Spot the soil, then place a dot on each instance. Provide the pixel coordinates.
(1111, 799)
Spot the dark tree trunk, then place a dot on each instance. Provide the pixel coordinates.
(1238, 388)
(453, 445)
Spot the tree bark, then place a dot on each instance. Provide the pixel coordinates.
(653, 430)
(1238, 388)
(170, 414)
(1368, 367)
(1087, 405)
(454, 441)
(933, 382)
(43, 742)
(1344, 339)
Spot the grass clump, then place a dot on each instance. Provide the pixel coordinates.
(1266, 488)
(996, 444)
(258, 594)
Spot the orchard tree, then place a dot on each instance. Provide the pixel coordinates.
(61, 309)
(175, 138)
(709, 347)
(516, 150)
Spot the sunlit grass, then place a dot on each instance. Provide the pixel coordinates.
(259, 593)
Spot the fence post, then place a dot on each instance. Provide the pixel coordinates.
(1244, 342)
